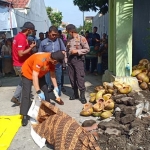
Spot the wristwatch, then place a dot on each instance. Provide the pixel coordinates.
(38, 92)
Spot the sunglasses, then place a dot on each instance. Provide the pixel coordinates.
(54, 34)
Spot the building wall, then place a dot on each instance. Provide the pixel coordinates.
(141, 21)
(102, 23)
(36, 14)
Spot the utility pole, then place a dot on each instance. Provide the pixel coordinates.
(83, 22)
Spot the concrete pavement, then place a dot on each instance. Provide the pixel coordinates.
(23, 140)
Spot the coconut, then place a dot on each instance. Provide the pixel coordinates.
(106, 96)
(100, 94)
(96, 114)
(125, 90)
(148, 67)
(87, 110)
(143, 77)
(117, 84)
(110, 91)
(92, 94)
(143, 86)
(143, 61)
(109, 104)
(92, 99)
(136, 72)
(106, 114)
(99, 106)
(98, 88)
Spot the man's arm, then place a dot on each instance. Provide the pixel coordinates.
(85, 48)
(24, 52)
(53, 79)
(35, 80)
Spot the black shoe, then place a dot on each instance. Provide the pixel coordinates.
(83, 100)
(82, 97)
(73, 97)
(25, 120)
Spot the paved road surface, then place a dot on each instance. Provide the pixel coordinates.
(23, 140)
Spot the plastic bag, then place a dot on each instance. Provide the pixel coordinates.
(34, 108)
(37, 139)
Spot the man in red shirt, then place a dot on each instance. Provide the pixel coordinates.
(21, 50)
(34, 70)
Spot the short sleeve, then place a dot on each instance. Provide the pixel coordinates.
(37, 65)
(21, 44)
(52, 68)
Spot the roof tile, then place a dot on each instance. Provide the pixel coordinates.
(19, 3)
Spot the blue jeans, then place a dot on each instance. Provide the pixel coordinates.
(58, 72)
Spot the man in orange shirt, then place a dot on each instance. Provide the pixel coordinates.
(34, 70)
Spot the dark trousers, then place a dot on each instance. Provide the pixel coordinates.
(92, 62)
(76, 73)
(62, 78)
(26, 91)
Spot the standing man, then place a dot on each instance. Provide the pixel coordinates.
(21, 50)
(77, 48)
(53, 44)
(41, 38)
(34, 70)
(94, 37)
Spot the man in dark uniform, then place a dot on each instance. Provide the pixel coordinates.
(77, 47)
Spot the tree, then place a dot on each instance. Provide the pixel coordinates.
(94, 5)
(55, 17)
(88, 26)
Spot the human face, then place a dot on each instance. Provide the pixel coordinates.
(30, 32)
(54, 62)
(41, 36)
(94, 30)
(53, 35)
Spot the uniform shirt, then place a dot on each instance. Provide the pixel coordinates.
(48, 45)
(78, 43)
(20, 42)
(39, 62)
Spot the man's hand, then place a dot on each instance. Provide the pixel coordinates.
(57, 90)
(74, 52)
(33, 44)
(41, 95)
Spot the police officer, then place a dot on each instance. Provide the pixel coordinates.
(77, 47)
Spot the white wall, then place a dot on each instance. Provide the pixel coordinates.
(102, 23)
(36, 14)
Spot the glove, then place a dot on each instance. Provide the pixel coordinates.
(41, 95)
(57, 90)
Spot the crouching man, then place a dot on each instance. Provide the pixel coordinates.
(34, 70)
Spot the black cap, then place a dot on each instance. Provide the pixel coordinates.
(28, 25)
(59, 56)
(70, 27)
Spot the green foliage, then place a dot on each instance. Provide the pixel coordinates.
(94, 5)
(55, 17)
(87, 27)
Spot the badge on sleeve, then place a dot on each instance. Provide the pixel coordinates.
(38, 66)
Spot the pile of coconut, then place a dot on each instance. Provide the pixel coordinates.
(142, 73)
(101, 103)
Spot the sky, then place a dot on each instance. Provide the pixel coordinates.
(71, 14)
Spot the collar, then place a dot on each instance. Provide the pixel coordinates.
(23, 34)
(49, 40)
